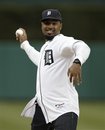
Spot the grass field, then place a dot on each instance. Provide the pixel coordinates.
(92, 116)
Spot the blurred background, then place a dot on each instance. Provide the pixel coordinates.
(83, 20)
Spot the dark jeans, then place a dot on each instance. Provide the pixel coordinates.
(67, 121)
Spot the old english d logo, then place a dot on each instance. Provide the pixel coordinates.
(48, 13)
(48, 57)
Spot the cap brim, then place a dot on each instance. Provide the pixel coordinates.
(50, 18)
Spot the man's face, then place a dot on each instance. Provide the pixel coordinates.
(51, 28)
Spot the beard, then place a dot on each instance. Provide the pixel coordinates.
(49, 38)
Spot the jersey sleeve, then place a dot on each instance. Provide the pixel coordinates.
(81, 50)
(77, 48)
(32, 53)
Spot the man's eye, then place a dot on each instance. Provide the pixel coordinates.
(54, 23)
(46, 23)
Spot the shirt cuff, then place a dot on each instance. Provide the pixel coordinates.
(24, 45)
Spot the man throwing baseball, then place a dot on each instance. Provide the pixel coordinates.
(59, 63)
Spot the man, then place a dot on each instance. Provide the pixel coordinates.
(55, 105)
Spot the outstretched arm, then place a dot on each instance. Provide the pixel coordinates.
(82, 52)
(32, 53)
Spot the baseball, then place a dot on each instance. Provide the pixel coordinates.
(19, 32)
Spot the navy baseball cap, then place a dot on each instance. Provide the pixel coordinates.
(53, 14)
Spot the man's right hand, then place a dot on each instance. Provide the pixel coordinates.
(23, 37)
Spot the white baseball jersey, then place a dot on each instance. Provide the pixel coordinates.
(54, 92)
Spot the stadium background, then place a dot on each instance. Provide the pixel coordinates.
(81, 19)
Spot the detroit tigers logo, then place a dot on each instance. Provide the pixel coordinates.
(48, 57)
(48, 13)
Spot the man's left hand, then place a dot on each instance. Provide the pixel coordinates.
(74, 73)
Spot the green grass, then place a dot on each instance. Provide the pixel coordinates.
(10, 118)
(92, 116)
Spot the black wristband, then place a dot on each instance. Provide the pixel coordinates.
(77, 61)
